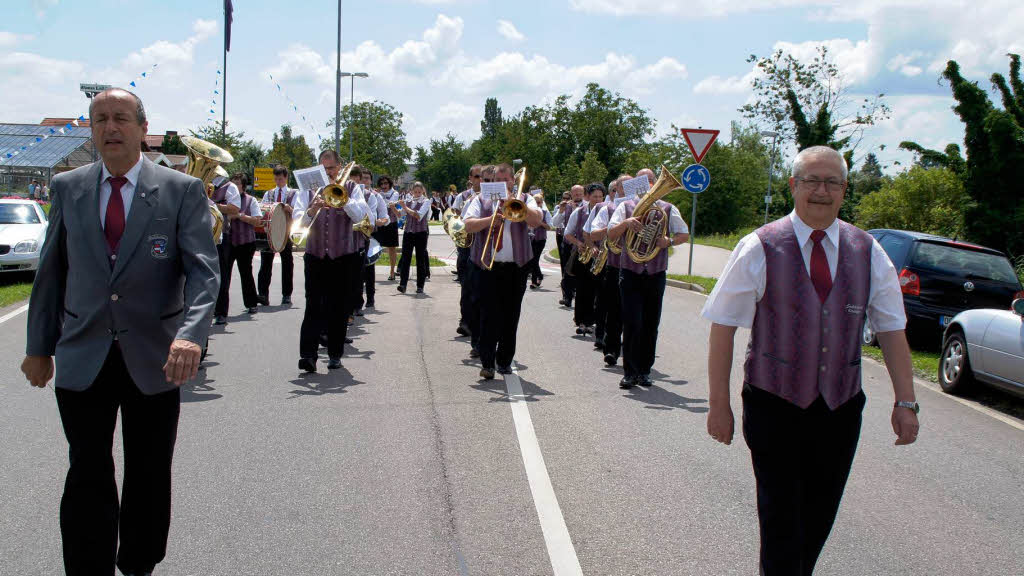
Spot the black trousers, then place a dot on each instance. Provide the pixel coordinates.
(585, 284)
(641, 296)
(501, 292)
(538, 253)
(568, 282)
(267, 271)
(471, 289)
(599, 305)
(367, 284)
(328, 300)
(801, 459)
(224, 255)
(91, 518)
(414, 242)
(462, 266)
(354, 280)
(612, 302)
(242, 255)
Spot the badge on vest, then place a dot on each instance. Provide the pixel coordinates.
(158, 246)
(854, 309)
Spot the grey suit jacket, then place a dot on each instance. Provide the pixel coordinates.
(163, 285)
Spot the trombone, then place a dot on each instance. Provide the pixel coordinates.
(334, 195)
(514, 210)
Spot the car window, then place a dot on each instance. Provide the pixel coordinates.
(962, 262)
(18, 214)
(896, 247)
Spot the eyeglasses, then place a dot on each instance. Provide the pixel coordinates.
(812, 184)
(474, 175)
(488, 180)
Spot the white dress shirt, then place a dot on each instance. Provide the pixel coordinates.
(356, 208)
(254, 208)
(381, 209)
(506, 254)
(571, 222)
(127, 191)
(676, 224)
(734, 300)
(281, 195)
(599, 220)
(424, 211)
(558, 220)
(465, 206)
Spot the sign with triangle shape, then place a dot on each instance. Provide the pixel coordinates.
(699, 141)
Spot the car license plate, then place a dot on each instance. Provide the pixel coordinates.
(945, 320)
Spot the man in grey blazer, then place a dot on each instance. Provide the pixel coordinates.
(127, 281)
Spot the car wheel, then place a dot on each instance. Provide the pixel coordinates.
(867, 336)
(954, 366)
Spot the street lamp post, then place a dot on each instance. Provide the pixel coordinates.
(337, 92)
(352, 107)
(771, 165)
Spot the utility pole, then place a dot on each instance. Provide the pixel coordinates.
(771, 168)
(337, 95)
(352, 109)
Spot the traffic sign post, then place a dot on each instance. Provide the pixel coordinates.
(697, 178)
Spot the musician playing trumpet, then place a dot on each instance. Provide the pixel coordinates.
(414, 240)
(501, 286)
(642, 287)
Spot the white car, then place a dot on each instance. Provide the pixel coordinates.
(984, 345)
(22, 230)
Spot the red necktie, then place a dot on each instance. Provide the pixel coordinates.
(820, 275)
(114, 223)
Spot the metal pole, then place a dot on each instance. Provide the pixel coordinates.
(337, 92)
(771, 166)
(224, 96)
(693, 229)
(351, 118)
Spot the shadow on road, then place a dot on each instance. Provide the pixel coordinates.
(320, 384)
(531, 391)
(200, 390)
(657, 398)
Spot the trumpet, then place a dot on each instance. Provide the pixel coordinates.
(513, 210)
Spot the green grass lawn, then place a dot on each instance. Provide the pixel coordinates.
(554, 253)
(726, 241)
(385, 260)
(14, 287)
(926, 362)
(708, 284)
(435, 223)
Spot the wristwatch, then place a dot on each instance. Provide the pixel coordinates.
(913, 406)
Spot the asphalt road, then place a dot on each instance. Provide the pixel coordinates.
(404, 462)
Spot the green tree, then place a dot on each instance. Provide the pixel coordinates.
(443, 162)
(247, 153)
(290, 151)
(610, 125)
(379, 141)
(993, 172)
(931, 200)
(172, 145)
(591, 169)
(492, 121)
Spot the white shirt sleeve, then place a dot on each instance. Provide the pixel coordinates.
(472, 210)
(356, 207)
(233, 197)
(254, 209)
(676, 224)
(885, 300)
(734, 300)
(600, 220)
(382, 208)
(458, 203)
(424, 210)
(588, 226)
(618, 216)
(558, 220)
(571, 224)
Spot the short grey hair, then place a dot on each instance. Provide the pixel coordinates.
(815, 151)
(140, 110)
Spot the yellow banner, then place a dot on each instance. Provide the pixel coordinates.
(263, 179)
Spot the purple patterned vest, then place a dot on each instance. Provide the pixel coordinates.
(331, 235)
(220, 196)
(800, 348)
(522, 250)
(413, 225)
(241, 232)
(539, 234)
(660, 262)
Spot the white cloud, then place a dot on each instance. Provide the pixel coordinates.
(509, 31)
(174, 56)
(729, 85)
(689, 9)
(10, 39)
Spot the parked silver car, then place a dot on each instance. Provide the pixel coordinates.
(984, 345)
(22, 230)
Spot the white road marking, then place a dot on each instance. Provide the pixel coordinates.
(7, 317)
(552, 524)
(972, 405)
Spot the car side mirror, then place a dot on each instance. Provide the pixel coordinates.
(1018, 307)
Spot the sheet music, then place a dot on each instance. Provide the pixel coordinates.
(312, 178)
(494, 190)
(636, 186)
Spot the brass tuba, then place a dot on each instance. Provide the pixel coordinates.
(456, 228)
(600, 258)
(642, 246)
(206, 160)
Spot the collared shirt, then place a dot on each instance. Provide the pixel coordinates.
(676, 224)
(281, 195)
(506, 253)
(356, 208)
(561, 217)
(424, 210)
(378, 206)
(254, 209)
(599, 219)
(462, 199)
(572, 224)
(734, 300)
(464, 207)
(127, 190)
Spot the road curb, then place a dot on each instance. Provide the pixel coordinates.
(673, 283)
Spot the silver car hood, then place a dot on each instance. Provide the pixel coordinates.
(11, 234)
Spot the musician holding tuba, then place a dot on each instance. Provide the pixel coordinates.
(228, 200)
(502, 267)
(575, 236)
(331, 260)
(642, 279)
(608, 326)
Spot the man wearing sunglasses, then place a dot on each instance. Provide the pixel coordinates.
(804, 285)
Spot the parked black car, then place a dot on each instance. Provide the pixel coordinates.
(941, 277)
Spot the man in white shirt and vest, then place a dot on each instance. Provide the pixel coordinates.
(804, 285)
(292, 201)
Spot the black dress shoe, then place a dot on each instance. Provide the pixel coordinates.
(580, 329)
(561, 301)
(462, 330)
(263, 300)
(419, 290)
(349, 340)
(369, 305)
(645, 380)
(334, 364)
(323, 340)
(474, 353)
(504, 369)
(307, 364)
(598, 345)
(251, 310)
(286, 301)
(358, 312)
(610, 359)
(220, 321)
(627, 382)
(487, 374)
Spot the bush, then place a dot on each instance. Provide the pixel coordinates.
(931, 200)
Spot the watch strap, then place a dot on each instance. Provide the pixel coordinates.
(914, 406)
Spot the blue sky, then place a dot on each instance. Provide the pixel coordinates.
(438, 60)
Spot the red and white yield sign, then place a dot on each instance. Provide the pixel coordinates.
(699, 141)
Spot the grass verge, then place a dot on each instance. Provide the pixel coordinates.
(708, 284)
(385, 260)
(926, 363)
(725, 241)
(14, 287)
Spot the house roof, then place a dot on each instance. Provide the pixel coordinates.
(53, 121)
(37, 146)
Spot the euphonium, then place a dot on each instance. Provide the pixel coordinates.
(204, 162)
(642, 246)
(600, 259)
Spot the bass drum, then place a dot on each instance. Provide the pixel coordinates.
(276, 226)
